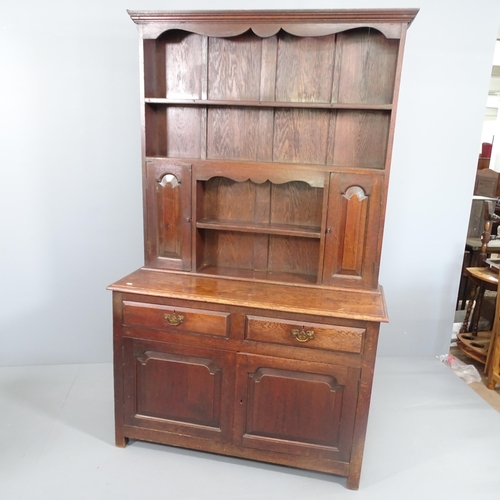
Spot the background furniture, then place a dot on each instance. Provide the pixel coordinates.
(252, 329)
(479, 244)
(483, 278)
(492, 367)
(476, 344)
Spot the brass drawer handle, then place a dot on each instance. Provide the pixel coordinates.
(174, 319)
(302, 335)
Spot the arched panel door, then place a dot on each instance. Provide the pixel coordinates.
(353, 231)
(168, 219)
(295, 407)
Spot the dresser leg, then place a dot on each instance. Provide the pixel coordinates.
(120, 440)
(353, 480)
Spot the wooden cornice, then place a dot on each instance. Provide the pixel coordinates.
(273, 16)
(266, 23)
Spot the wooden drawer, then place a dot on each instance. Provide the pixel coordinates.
(177, 319)
(300, 334)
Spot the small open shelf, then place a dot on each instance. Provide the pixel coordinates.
(251, 227)
(244, 253)
(247, 274)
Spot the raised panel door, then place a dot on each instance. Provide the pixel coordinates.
(295, 407)
(178, 389)
(168, 223)
(353, 230)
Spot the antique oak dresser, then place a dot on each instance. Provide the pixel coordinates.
(252, 328)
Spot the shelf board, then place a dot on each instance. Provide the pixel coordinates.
(269, 104)
(249, 274)
(220, 165)
(252, 227)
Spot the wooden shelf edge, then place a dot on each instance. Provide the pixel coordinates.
(224, 163)
(250, 227)
(269, 104)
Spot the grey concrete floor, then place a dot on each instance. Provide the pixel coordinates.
(429, 437)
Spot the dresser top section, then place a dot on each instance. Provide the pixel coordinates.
(329, 302)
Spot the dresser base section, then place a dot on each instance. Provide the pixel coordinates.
(284, 387)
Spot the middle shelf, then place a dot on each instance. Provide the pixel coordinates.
(262, 228)
(270, 104)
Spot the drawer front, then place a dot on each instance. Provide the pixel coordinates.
(301, 334)
(179, 319)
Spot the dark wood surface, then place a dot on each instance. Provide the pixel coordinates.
(267, 137)
(329, 302)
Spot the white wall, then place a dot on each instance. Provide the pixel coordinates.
(70, 199)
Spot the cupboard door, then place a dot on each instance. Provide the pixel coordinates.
(353, 238)
(168, 222)
(295, 407)
(179, 389)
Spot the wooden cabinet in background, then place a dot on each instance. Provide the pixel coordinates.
(251, 330)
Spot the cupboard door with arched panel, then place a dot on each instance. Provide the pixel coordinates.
(178, 389)
(295, 407)
(168, 222)
(353, 237)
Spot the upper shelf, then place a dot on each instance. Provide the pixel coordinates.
(390, 22)
(351, 70)
(268, 104)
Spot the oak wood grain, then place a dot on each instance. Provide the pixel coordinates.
(365, 67)
(300, 136)
(183, 134)
(234, 67)
(361, 138)
(304, 68)
(233, 133)
(183, 65)
(289, 254)
(329, 337)
(191, 319)
(326, 301)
